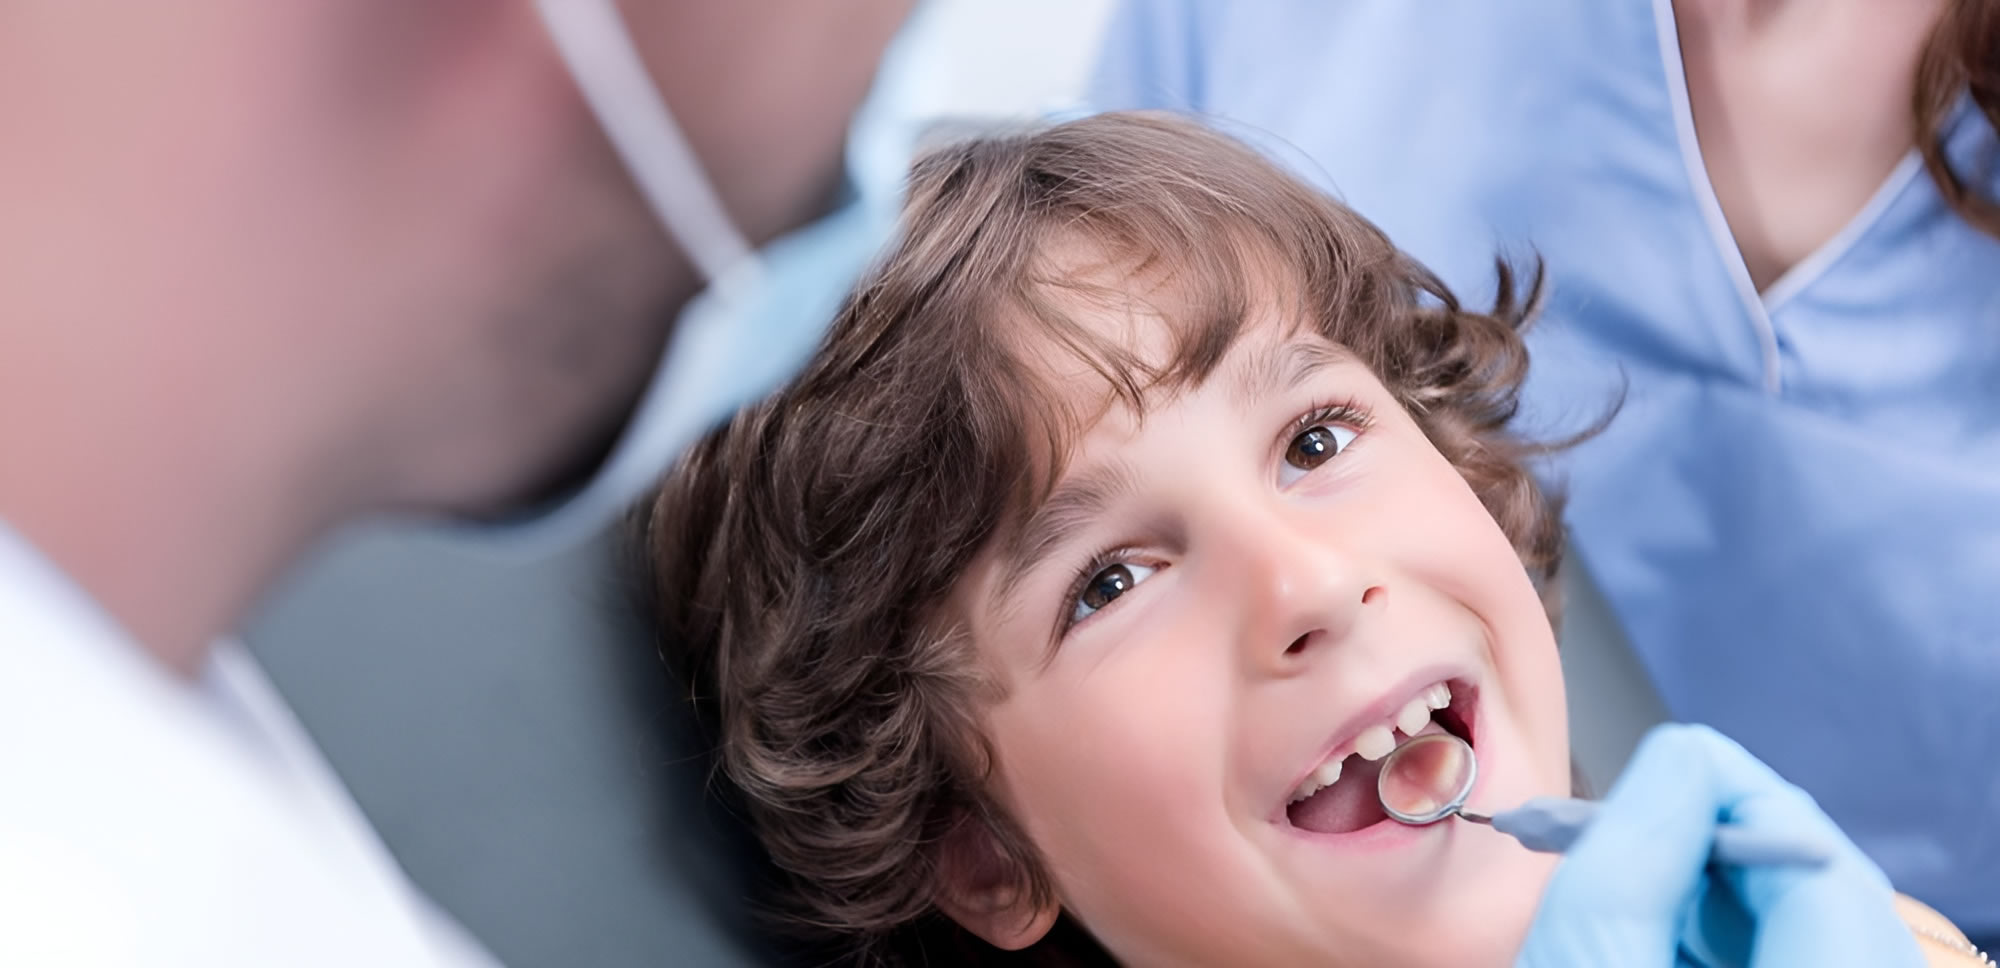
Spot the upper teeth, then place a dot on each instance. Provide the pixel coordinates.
(1317, 780)
(1378, 741)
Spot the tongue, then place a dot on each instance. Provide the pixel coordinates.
(1349, 804)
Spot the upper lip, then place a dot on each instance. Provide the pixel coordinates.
(1380, 711)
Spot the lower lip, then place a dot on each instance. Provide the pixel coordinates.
(1383, 835)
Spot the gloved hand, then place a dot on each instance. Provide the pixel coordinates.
(1637, 889)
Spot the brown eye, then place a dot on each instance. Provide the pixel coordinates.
(1106, 586)
(1314, 446)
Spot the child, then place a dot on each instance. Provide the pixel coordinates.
(1137, 504)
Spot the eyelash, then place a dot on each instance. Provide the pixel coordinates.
(1098, 562)
(1348, 412)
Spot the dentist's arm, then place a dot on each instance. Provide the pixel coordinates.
(1637, 888)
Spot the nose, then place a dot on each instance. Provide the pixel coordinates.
(1303, 589)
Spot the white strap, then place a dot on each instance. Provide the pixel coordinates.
(594, 42)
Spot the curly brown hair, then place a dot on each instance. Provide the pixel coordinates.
(801, 552)
(1961, 58)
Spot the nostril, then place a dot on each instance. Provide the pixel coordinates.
(1373, 596)
(1298, 645)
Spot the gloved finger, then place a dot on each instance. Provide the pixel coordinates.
(1842, 913)
(1646, 848)
(1755, 797)
(1741, 781)
(1719, 932)
(1624, 890)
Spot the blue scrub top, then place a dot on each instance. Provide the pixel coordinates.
(1796, 515)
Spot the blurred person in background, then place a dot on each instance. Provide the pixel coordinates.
(269, 268)
(1774, 225)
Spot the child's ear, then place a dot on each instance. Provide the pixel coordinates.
(979, 887)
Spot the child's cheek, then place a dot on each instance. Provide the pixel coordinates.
(1104, 770)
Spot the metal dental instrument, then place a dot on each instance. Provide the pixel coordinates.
(1428, 778)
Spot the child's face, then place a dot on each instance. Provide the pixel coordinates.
(1263, 573)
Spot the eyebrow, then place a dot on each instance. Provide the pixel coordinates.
(1283, 367)
(1069, 507)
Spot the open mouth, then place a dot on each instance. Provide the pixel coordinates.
(1339, 795)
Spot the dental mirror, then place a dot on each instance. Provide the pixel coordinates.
(1427, 779)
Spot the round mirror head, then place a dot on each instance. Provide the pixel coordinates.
(1427, 778)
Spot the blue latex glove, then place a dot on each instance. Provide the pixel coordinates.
(1638, 889)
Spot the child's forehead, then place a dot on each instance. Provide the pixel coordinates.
(1102, 326)
(1123, 347)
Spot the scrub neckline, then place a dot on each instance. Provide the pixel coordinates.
(1759, 307)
